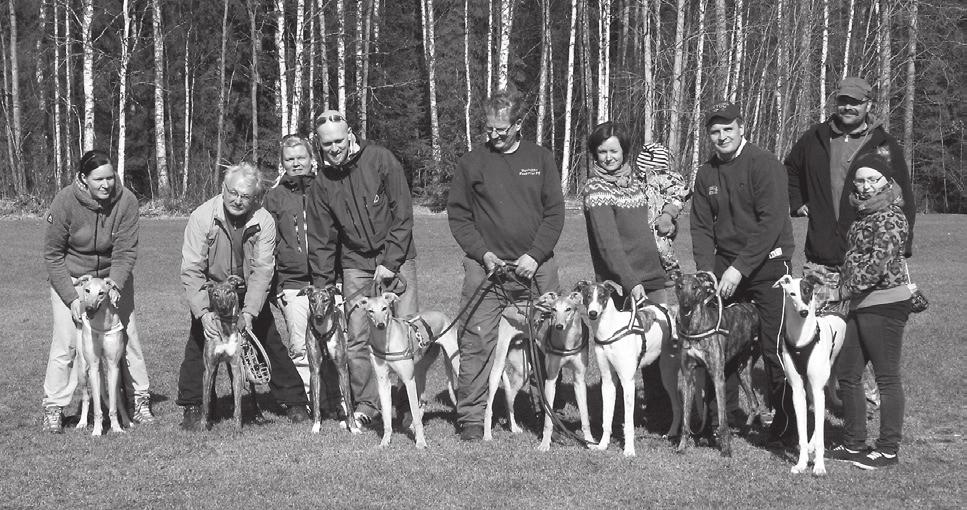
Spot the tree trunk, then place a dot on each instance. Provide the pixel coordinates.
(341, 54)
(40, 66)
(220, 136)
(720, 89)
(849, 37)
(649, 72)
(506, 24)
(490, 46)
(69, 90)
(824, 56)
(466, 72)
(569, 100)
(188, 121)
(256, 38)
(604, 60)
(886, 55)
(586, 82)
(58, 140)
(323, 55)
(426, 7)
(625, 22)
(282, 90)
(678, 83)
(699, 67)
(86, 21)
(363, 27)
(782, 76)
(161, 152)
(295, 106)
(545, 61)
(739, 37)
(123, 90)
(20, 178)
(911, 89)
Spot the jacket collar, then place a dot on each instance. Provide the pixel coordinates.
(84, 197)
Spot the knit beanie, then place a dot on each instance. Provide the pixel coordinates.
(876, 162)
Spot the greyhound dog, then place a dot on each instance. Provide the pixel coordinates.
(327, 334)
(400, 344)
(510, 369)
(566, 345)
(622, 345)
(101, 344)
(715, 336)
(811, 346)
(226, 347)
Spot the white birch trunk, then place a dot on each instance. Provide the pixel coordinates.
(256, 39)
(490, 45)
(161, 151)
(506, 25)
(187, 124)
(909, 99)
(542, 80)
(569, 100)
(649, 71)
(884, 84)
(720, 88)
(311, 59)
(283, 80)
(58, 148)
(824, 56)
(220, 134)
(123, 90)
(430, 53)
(739, 38)
(364, 86)
(69, 90)
(849, 36)
(466, 72)
(86, 20)
(604, 60)
(295, 107)
(20, 178)
(323, 55)
(699, 67)
(341, 54)
(678, 82)
(358, 81)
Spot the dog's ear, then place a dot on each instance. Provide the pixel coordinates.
(614, 287)
(83, 279)
(582, 286)
(785, 280)
(391, 297)
(236, 282)
(676, 276)
(576, 298)
(305, 291)
(706, 279)
(812, 280)
(362, 302)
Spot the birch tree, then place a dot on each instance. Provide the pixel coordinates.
(161, 151)
(324, 70)
(220, 136)
(850, 18)
(282, 82)
(466, 73)
(506, 24)
(678, 82)
(604, 60)
(256, 39)
(88, 77)
(824, 55)
(341, 54)
(649, 71)
(295, 106)
(123, 89)
(911, 88)
(19, 174)
(426, 9)
(720, 88)
(189, 120)
(39, 78)
(58, 149)
(490, 45)
(697, 94)
(735, 77)
(545, 63)
(569, 99)
(886, 54)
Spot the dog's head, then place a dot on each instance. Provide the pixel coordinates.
(379, 308)
(800, 292)
(95, 292)
(595, 295)
(693, 289)
(223, 296)
(562, 309)
(323, 302)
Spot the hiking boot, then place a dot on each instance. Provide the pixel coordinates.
(875, 459)
(471, 432)
(843, 453)
(297, 414)
(53, 420)
(191, 419)
(142, 410)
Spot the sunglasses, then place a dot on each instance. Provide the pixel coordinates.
(332, 117)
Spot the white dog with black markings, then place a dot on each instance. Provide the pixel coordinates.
(812, 344)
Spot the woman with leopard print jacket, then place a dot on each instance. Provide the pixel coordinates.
(875, 279)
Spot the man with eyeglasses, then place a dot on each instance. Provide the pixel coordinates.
(360, 224)
(231, 234)
(819, 186)
(505, 208)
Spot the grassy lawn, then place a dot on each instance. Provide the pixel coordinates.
(280, 464)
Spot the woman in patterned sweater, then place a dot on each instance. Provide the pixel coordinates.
(616, 211)
(875, 279)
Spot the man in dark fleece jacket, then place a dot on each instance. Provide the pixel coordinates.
(360, 219)
(741, 232)
(505, 205)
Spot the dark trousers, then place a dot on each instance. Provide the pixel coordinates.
(478, 334)
(757, 288)
(286, 385)
(879, 340)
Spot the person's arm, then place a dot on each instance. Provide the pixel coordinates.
(399, 237)
(460, 213)
(552, 200)
(124, 253)
(796, 178)
(194, 263)
(771, 209)
(864, 269)
(703, 241)
(322, 235)
(262, 265)
(603, 230)
(56, 241)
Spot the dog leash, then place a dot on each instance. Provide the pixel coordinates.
(717, 330)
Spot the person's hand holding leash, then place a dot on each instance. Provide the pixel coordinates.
(76, 310)
(491, 261)
(803, 211)
(730, 280)
(209, 321)
(664, 225)
(245, 321)
(526, 266)
(638, 293)
(382, 273)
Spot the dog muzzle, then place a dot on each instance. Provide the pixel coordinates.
(804, 313)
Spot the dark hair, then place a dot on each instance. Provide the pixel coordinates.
(505, 99)
(606, 130)
(92, 160)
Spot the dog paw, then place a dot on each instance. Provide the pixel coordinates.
(798, 469)
(421, 445)
(819, 470)
(97, 432)
(602, 446)
(544, 446)
(316, 427)
(629, 452)
(515, 429)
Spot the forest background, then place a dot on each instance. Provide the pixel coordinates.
(178, 89)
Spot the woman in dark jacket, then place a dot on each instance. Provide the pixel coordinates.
(876, 281)
(92, 230)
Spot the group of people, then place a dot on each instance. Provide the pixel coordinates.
(347, 217)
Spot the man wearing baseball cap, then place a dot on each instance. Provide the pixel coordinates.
(741, 232)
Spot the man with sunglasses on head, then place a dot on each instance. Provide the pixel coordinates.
(360, 223)
(505, 206)
(232, 235)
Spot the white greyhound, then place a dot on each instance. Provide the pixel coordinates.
(622, 346)
(811, 346)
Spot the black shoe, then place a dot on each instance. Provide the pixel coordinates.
(297, 414)
(844, 453)
(471, 432)
(875, 459)
(191, 418)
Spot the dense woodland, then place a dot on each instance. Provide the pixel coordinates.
(177, 89)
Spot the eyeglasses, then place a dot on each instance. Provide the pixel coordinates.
(871, 181)
(235, 195)
(332, 117)
(500, 131)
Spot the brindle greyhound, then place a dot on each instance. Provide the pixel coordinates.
(100, 343)
(715, 336)
(327, 339)
(225, 347)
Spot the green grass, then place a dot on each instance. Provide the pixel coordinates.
(280, 464)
